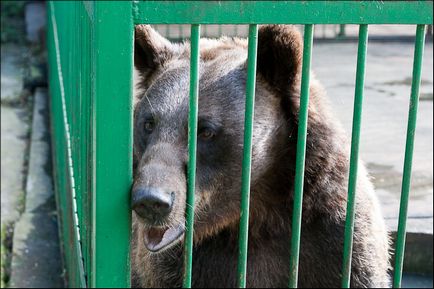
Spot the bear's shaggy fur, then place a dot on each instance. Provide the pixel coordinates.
(160, 159)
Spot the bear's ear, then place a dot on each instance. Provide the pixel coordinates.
(151, 49)
(279, 55)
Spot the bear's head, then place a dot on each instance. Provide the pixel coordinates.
(161, 131)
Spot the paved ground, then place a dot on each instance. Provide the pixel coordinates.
(416, 281)
(27, 199)
(14, 131)
(30, 245)
(14, 146)
(385, 114)
(36, 261)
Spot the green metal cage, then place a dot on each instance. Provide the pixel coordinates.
(90, 76)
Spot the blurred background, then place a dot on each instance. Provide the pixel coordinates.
(30, 252)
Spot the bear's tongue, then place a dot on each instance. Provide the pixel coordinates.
(158, 238)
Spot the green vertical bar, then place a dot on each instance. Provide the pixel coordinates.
(408, 161)
(247, 155)
(58, 139)
(84, 130)
(354, 159)
(301, 154)
(192, 141)
(63, 173)
(111, 143)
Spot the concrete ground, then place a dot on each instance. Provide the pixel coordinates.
(416, 281)
(30, 246)
(14, 147)
(36, 261)
(384, 122)
(14, 131)
(28, 213)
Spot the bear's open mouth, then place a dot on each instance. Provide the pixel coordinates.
(159, 238)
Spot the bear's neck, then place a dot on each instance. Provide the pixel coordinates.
(215, 261)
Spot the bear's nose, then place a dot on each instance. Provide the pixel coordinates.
(152, 204)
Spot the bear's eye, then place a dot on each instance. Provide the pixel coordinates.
(149, 126)
(206, 134)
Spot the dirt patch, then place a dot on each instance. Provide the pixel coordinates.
(21, 101)
(387, 178)
(406, 81)
(426, 96)
(380, 90)
(12, 21)
(7, 232)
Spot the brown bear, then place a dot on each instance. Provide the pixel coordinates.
(161, 154)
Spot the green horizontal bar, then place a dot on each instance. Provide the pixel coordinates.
(301, 155)
(408, 161)
(247, 156)
(283, 12)
(192, 142)
(354, 159)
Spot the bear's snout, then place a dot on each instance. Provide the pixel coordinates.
(152, 204)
